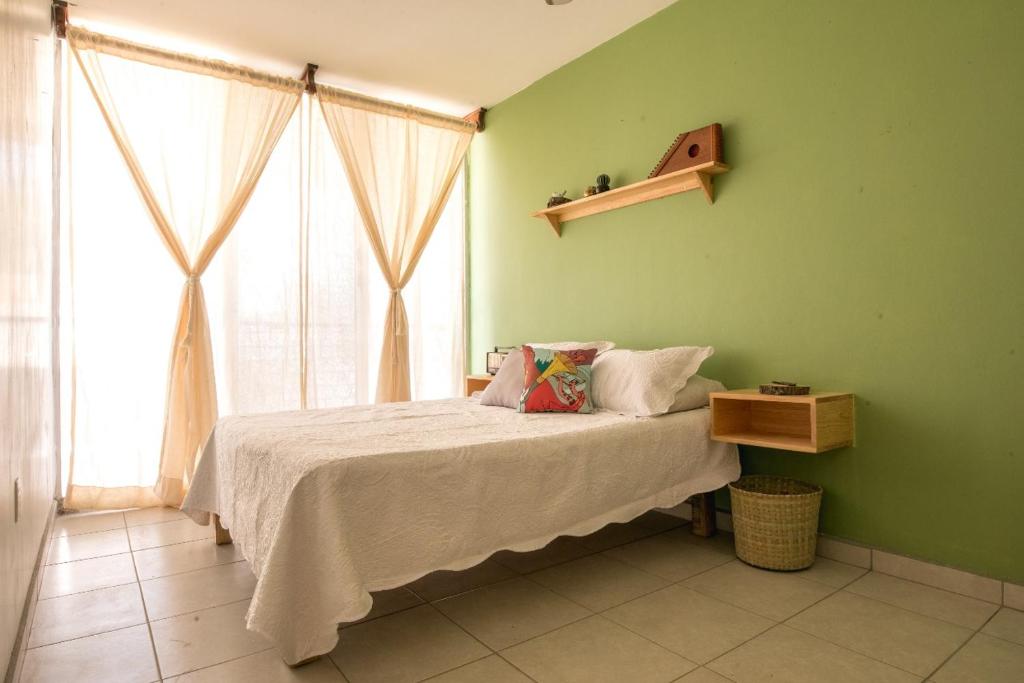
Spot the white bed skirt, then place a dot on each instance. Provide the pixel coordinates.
(329, 505)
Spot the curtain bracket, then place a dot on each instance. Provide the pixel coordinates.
(476, 117)
(60, 18)
(309, 77)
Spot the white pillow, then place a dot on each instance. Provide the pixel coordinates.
(601, 346)
(695, 394)
(507, 385)
(644, 383)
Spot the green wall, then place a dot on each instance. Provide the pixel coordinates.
(869, 239)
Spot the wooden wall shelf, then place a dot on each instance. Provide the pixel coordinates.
(645, 190)
(809, 424)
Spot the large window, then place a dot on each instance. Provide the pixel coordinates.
(296, 301)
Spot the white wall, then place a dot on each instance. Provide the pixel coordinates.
(26, 373)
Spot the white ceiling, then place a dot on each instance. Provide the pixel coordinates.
(448, 55)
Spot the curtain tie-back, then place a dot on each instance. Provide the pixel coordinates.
(191, 283)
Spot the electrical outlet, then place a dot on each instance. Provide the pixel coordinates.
(17, 500)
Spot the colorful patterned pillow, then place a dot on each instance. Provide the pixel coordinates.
(557, 381)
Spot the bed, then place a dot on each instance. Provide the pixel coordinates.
(329, 505)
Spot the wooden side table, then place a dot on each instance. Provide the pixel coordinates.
(477, 383)
(808, 424)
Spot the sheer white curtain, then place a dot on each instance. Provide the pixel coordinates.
(195, 135)
(295, 301)
(344, 353)
(402, 165)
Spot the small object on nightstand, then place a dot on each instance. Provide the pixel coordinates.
(558, 198)
(777, 388)
(496, 357)
(603, 183)
(475, 383)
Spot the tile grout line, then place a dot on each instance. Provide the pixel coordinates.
(683, 657)
(679, 583)
(88, 590)
(776, 623)
(833, 591)
(145, 610)
(486, 646)
(610, 607)
(565, 597)
(848, 649)
(128, 536)
(203, 609)
(189, 571)
(228, 661)
(920, 614)
(514, 666)
(208, 666)
(1000, 638)
(88, 635)
(601, 613)
(491, 651)
(446, 671)
(939, 588)
(960, 647)
(138, 578)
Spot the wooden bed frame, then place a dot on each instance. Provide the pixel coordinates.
(703, 518)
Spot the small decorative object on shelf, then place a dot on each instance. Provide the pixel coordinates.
(690, 149)
(590, 191)
(777, 388)
(603, 183)
(496, 357)
(558, 198)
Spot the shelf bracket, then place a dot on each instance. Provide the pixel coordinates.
(556, 224)
(707, 185)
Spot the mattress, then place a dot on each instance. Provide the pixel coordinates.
(329, 505)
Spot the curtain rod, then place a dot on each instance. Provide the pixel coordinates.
(476, 117)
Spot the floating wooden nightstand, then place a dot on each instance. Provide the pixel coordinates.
(477, 383)
(627, 195)
(809, 424)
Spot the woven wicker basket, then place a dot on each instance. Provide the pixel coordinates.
(775, 521)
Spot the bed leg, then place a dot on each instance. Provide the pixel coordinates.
(222, 535)
(703, 514)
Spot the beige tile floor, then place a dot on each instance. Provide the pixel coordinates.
(146, 595)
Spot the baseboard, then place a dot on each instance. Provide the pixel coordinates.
(909, 568)
(28, 612)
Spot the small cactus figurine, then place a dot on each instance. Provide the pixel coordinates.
(603, 183)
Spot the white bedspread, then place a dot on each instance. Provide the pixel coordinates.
(328, 505)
